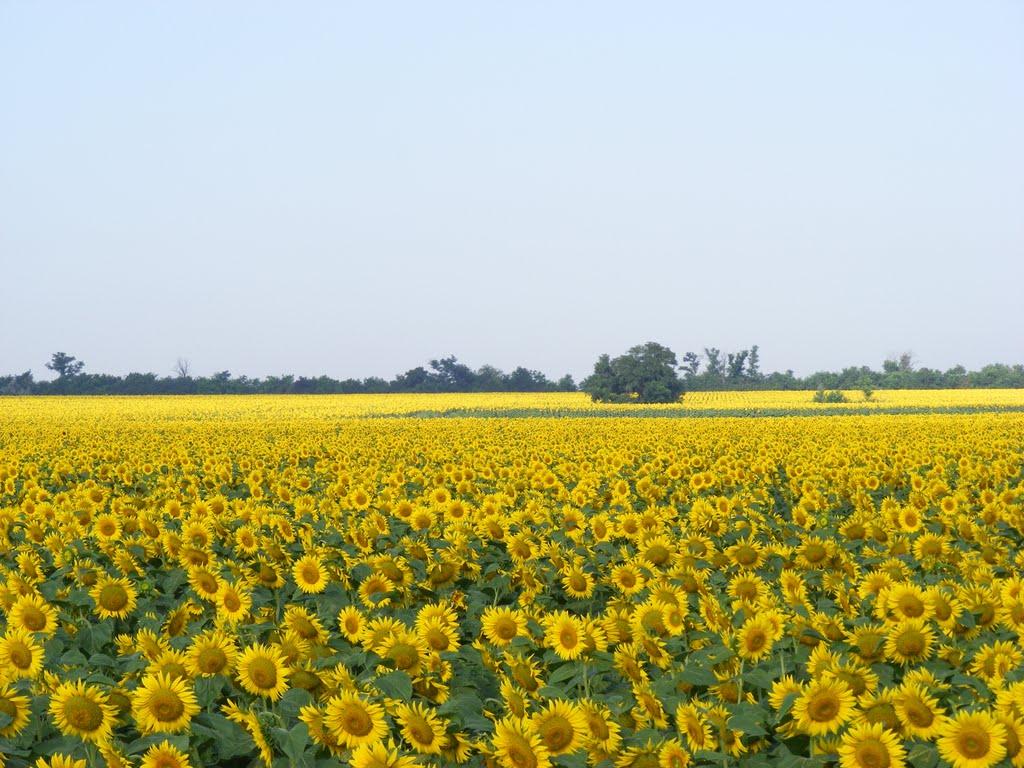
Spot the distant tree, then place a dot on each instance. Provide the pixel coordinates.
(182, 368)
(691, 365)
(715, 368)
(22, 384)
(566, 384)
(65, 365)
(645, 374)
(754, 364)
(454, 376)
(490, 379)
(737, 362)
(417, 379)
(524, 380)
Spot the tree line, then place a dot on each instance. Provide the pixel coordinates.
(646, 373)
(445, 374)
(651, 373)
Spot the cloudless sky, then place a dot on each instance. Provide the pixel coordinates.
(352, 189)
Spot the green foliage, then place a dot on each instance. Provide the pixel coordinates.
(829, 396)
(645, 374)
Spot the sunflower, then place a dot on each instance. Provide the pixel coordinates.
(755, 639)
(233, 602)
(908, 601)
(523, 671)
(33, 614)
(20, 654)
(380, 755)
(563, 633)
(868, 642)
(165, 755)
(909, 641)
(115, 598)
(577, 583)
(781, 690)
(603, 733)
(516, 745)
(920, 714)
(824, 706)
(868, 745)
(503, 625)
(246, 541)
(673, 755)
(178, 619)
(205, 582)
(1014, 739)
(212, 653)
(306, 625)
(691, 722)
(354, 721)
(438, 635)
(106, 528)
(59, 761)
(82, 710)
(310, 574)
(313, 716)
(562, 727)
(351, 622)
(628, 579)
(16, 707)
(261, 671)
(421, 729)
(972, 740)
(404, 651)
(375, 591)
(995, 661)
(269, 575)
(164, 704)
(172, 663)
(860, 677)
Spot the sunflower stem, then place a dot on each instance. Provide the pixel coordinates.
(739, 685)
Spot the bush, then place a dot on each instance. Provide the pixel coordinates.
(829, 396)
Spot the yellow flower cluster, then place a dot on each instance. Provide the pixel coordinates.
(223, 581)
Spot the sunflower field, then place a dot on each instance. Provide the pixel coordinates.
(313, 582)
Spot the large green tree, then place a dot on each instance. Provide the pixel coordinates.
(645, 374)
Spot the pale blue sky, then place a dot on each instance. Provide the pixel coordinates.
(353, 189)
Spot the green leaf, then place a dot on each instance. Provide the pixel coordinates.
(574, 760)
(749, 718)
(294, 700)
(74, 658)
(468, 708)
(696, 675)
(759, 678)
(563, 673)
(923, 756)
(552, 692)
(293, 743)
(787, 704)
(208, 690)
(395, 685)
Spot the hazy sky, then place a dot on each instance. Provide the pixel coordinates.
(352, 189)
